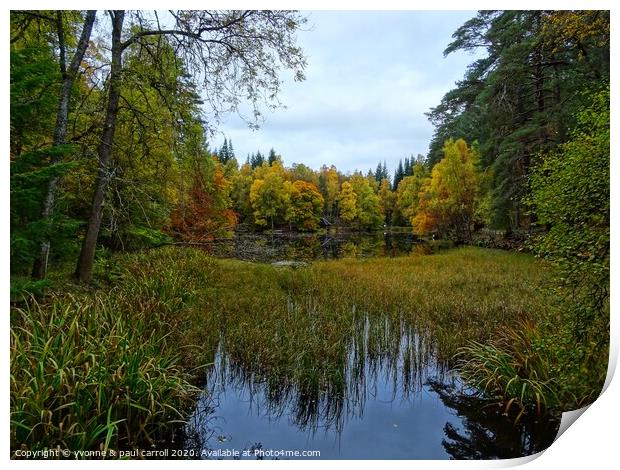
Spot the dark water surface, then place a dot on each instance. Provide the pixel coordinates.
(308, 247)
(389, 398)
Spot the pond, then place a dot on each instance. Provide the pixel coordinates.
(385, 397)
(307, 247)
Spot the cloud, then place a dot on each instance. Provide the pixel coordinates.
(371, 76)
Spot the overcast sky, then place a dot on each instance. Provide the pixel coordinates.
(370, 78)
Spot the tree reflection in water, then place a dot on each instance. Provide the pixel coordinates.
(307, 247)
(385, 360)
(487, 432)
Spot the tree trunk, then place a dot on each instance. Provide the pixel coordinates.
(84, 268)
(39, 269)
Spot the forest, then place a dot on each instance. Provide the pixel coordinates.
(118, 179)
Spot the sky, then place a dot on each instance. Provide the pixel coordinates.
(370, 78)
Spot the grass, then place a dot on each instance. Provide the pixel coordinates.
(513, 369)
(544, 367)
(99, 369)
(114, 366)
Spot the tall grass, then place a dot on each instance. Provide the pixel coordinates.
(113, 367)
(538, 367)
(101, 369)
(514, 368)
(297, 327)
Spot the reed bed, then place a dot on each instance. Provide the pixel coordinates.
(117, 366)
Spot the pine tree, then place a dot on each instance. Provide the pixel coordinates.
(379, 173)
(398, 175)
(257, 159)
(223, 153)
(272, 156)
(408, 167)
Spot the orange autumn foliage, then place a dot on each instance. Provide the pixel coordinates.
(204, 213)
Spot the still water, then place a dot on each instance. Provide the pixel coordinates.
(389, 398)
(308, 247)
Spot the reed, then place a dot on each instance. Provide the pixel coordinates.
(114, 366)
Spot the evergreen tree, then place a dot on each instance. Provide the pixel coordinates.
(521, 98)
(381, 173)
(224, 154)
(231, 151)
(378, 175)
(398, 175)
(257, 160)
(272, 156)
(408, 167)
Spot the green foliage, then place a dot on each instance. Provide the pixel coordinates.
(91, 371)
(387, 199)
(34, 82)
(347, 202)
(514, 370)
(270, 197)
(24, 288)
(329, 186)
(571, 196)
(562, 363)
(103, 369)
(143, 236)
(226, 153)
(520, 98)
(408, 195)
(30, 173)
(367, 203)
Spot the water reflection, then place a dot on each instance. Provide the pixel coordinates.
(387, 397)
(485, 434)
(296, 246)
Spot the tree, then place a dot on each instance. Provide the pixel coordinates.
(272, 157)
(270, 198)
(68, 76)
(235, 52)
(408, 195)
(206, 211)
(257, 160)
(306, 203)
(381, 173)
(399, 174)
(367, 203)
(522, 96)
(387, 198)
(448, 198)
(34, 80)
(241, 184)
(329, 185)
(226, 153)
(408, 166)
(571, 197)
(222, 153)
(299, 171)
(160, 145)
(347, 203)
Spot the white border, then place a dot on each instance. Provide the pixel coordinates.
(590, 443)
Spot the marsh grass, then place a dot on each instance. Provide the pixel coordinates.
(298, 327)
(103, 368)
(113, 367)
(514, 368)
(538, 367)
